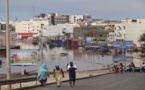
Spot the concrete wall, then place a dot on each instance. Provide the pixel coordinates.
(96, 33)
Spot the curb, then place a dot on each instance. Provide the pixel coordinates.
(87, 77)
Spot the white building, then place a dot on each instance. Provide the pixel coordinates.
(118, 34)
(29, 28)
(58, 30)
(133, 31)
(76, 18)
(127, 31)
(128, 20)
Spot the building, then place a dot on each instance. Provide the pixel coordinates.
(53, 18)
(118, 33)
(78, 18)
(128, 20)
(92, 32)
(60, 30)
(87, 17)
(3, 26)
(29, 28)
(127, 31)
(0, 26)
(133, 31)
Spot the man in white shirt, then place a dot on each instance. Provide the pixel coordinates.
(68, 66)
(143, 67)
(71, 68)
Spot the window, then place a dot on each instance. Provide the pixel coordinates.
(101, 35)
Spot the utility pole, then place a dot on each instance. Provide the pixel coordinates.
(67, 37)
(41, 46)
(8, 44)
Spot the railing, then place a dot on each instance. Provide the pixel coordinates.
(18, 80)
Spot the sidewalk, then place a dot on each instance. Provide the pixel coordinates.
(80, 75)
(137, 59)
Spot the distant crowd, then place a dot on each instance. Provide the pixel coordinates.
(120, 68)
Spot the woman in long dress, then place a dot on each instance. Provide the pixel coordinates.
(58, 74)
(42, 74)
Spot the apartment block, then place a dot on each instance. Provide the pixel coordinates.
(127, 31)
(29, 28)
(78, 18)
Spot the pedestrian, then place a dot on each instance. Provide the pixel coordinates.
(143, 67)
(25, 72)
(72, 73)
(117, 68)
(109, 67)
(132, 66)
(58, 74)
(42, 74)
(121, 68)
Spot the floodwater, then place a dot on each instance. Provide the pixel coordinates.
(84, 60)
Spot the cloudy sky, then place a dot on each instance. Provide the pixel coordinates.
(105, 9)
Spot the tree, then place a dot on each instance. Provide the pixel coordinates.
(142, 37)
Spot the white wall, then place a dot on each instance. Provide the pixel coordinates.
(133, 31)
(57, 30)
(29, 26)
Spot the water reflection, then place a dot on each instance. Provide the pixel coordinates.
(85, 60)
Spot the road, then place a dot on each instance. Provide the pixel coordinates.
(126, 81)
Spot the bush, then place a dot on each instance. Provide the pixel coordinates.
(136, 50)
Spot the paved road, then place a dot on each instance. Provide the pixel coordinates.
(126, 81)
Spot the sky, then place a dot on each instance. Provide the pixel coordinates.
(98, 9)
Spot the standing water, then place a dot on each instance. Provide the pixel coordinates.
(85, 60)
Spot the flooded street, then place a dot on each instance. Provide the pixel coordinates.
(85, 60)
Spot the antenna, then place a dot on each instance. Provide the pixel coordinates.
(33, 12)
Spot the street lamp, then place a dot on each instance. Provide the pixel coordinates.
(8, 43)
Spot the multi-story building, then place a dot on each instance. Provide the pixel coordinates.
(29, 28)
(87, 17)
(128, 20)
(53, 18)
(3, 26)
(78, 18)
(60, 30)
(133, 31)
(127, 31)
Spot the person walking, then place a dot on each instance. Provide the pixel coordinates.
(133, 66)
(121, 68)
(58, 74)
(143, 67)
(72, 73)
(42, 74)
